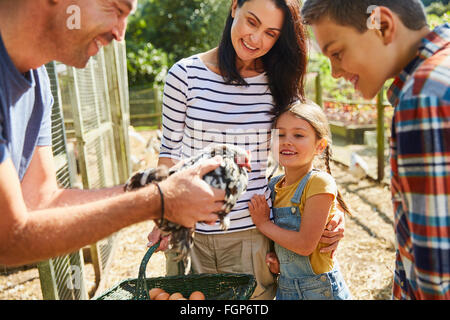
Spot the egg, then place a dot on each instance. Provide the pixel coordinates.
(197, 295)
(176, 296)
(162, 296)
(155, 292)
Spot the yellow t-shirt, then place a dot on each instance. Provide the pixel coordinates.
(319, 182)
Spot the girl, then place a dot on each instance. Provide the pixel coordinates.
(229, 95)
(304, 200)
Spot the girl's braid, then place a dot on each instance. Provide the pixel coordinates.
(339, 197)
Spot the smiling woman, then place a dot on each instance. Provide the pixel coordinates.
(230, 94)
(267, 36)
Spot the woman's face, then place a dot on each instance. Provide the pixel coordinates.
(256, 27)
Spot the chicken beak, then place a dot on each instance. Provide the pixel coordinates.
(247, 161)
(244, 162)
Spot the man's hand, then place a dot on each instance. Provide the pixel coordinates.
(333, 233)
(189, 199)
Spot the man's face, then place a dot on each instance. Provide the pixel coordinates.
(101, 21)
(360, 58)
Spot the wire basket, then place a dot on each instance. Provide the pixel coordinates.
(222, 286)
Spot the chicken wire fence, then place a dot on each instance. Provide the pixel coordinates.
(145, 106)
(90, 119)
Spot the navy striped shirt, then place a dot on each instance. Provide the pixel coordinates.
(200, 109)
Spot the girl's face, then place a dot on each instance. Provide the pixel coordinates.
(256, 27)
(295, 142)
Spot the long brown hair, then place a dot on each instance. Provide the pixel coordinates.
(285, 63)
(314, 115)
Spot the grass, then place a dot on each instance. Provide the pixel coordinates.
(146, 128)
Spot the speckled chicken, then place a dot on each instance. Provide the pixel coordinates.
(230, 176)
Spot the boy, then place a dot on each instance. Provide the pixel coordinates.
(368, 42)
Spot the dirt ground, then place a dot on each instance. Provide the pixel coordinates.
(366, 253)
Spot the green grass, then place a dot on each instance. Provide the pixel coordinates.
(146, 128)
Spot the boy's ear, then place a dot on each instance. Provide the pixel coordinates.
(386, 24)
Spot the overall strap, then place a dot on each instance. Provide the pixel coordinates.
(301, 186)
(272, 184)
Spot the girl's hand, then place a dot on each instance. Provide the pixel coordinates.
(259, 209)
(272, 262)
(333, 233)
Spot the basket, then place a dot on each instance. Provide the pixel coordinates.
(222, 286)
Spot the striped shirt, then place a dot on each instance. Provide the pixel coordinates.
(420, 165)
(200, 109)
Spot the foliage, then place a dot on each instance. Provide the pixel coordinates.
(338, 89)
(438, 9)
(437, 14)
(164, 31)
(147, 64)
(430, 2)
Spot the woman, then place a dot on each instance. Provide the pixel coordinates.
(230, 94)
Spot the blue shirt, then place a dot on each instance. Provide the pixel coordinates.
(25, 112)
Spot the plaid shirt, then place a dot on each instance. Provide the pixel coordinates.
(420, 169)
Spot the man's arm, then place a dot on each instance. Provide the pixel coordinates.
(28, 236)
(33, 236)
(41, 172)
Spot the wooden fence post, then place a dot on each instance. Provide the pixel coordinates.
(61, 277)
(318, 87)
(380, 136)
(157, 105)
(115, 62)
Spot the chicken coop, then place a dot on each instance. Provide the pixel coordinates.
(90, 120)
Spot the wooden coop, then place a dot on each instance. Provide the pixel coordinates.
(90, 120)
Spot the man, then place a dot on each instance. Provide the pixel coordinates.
(37, 219)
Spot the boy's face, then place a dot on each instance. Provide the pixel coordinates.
(361, 58)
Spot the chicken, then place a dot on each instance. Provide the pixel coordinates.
(230, 176)
(358, 167)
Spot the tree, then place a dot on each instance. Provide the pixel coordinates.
(428, 2)
(169, 30)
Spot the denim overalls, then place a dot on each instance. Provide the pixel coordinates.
(297, 279)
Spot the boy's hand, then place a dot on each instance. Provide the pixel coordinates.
(259, 209)
(333, 233)
(273, 263)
